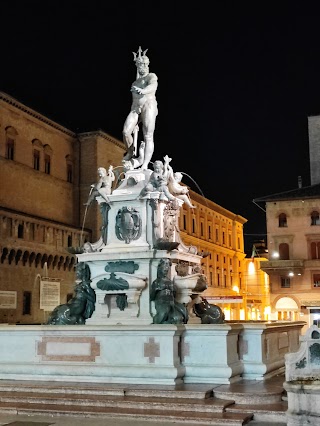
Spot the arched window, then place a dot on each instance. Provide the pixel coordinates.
(47, 159)
(37, 148)
(315, 218)
(284, 251)
(11, 135)
(282, 220)
(69, 163)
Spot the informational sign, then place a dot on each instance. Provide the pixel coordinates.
(49, 294)
(224, 299)
(8, 300)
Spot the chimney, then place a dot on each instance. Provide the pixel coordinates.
(299, 182)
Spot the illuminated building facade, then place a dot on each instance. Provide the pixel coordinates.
(293, 232)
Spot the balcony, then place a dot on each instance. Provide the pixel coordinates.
(282, 266)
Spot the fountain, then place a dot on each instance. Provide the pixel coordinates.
(140, 228)
(137, 315)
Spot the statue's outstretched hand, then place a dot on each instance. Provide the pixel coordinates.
(137, 90)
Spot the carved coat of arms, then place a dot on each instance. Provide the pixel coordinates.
(128, 224)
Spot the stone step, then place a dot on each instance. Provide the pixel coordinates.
(250, 395)
(271, 413)
(200, 404)
(178, 391)
(85, 400)
(196, 418)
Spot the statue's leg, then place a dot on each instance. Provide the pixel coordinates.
(148, 125)
(127, 131)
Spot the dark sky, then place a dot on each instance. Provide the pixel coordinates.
(236, 84)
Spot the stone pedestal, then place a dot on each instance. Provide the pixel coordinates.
(137, 232)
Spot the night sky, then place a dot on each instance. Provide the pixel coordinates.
(236, 84)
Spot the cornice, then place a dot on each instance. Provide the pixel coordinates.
(103, 135)
(216, 207)
(11, 101)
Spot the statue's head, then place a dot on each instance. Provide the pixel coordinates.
(178, 176)
(164, 267)
(102, 171)
(141, 59)
(158, 166)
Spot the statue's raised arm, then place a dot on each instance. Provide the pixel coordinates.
(144, 110)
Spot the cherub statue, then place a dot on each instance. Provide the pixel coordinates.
(103, 186)
(159, 179)
(179, 191)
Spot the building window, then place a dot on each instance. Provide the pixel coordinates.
(284, 251)
(47, 164)
(315, 219)
(69, 296)
(36, 159)
(217, 258)
(11, 135)
(229, 240)
(223, 238)
(31, 231)
(26, 308)
(47, 150)
(282, 220)
(10, 148)
(285, 282)
(193, 226)
(217, 235)
(201, 228)
(184, 222)
(69, 241)
(218, 277)
(315, 250)
(316, 280)
(209, 232)
(69, 164)
(211, 278)
(69, 173)
(20, 231)
(238, 243)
